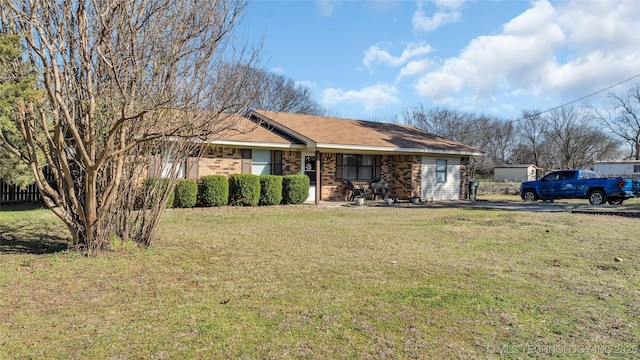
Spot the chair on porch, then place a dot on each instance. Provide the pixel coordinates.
(379, 188)
(355, 191)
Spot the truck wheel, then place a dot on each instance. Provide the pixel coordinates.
(529, 196)
(615, 201)
(597, 197)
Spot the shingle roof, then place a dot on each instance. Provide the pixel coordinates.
(331, 132)
(242, 130)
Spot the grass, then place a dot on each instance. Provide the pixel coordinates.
(347, 282)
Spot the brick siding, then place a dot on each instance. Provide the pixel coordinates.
(401, 172)
(220, 161)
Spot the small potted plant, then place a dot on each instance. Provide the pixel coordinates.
(414, 199)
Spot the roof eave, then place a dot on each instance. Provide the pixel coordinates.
(254, 144)
(384, 149)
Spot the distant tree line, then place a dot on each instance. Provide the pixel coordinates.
(565, 137)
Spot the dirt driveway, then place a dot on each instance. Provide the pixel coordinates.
(586, 208)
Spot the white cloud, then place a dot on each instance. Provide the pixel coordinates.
(307, 84)
(569, 50)
(278, 70)
(449, 4)
(371, 98)
(375, 54)
(325, 7)
(447, 15)
(415, 67)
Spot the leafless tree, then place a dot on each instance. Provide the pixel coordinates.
(532, 128)
(451, 124)
(576, 143)
(496, 137)
(624, 119)
(119, 81)
(279, 93)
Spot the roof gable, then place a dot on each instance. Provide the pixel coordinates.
(241, 131)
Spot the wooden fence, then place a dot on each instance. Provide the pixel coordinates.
(12, 193)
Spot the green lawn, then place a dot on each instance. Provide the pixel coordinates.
(327, 283)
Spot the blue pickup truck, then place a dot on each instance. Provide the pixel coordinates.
(580, 184)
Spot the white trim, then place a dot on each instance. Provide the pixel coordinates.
(312, 187)
(252, 144)
(379, 149)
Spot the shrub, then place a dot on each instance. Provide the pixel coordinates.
(295, 189)
(150, 186)
(186, 193)
(214, 190)
(244, 189)
(270, 190)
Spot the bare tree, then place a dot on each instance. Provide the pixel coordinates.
(496, 137)
(532, 129)
(119, 81)
(576, 143)
(455, 125)
(451, 124)
(278, 93)
(624, 119)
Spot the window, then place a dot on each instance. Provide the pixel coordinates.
(246, 161)
(441, 171)
(636, 168)
(261, 162)
(173, 164)
(552, 176)
(276, 165)
(358, 167)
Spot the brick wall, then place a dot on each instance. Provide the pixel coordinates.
(220, 161)
(401, 172)
(227, 161)
(332, 189)
(464, 178)
(291, 162)
(416, 175)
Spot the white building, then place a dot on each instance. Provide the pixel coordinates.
(617, 168)
(516, 172)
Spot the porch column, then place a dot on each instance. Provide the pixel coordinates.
(318, 173)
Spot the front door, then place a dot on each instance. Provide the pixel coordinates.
(309, 169)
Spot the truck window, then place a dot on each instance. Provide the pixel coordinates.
(587, 174)
(568, 175)
(552, 177)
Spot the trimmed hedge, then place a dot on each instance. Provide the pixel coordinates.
(270, 190)
(244, 189)
(213, 190)
(149, 184)
(295, 189)
(186, 193)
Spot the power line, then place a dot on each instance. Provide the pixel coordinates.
(584, 97)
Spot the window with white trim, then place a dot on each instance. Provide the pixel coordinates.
(441, 170)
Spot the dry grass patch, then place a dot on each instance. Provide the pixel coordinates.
(307, 282)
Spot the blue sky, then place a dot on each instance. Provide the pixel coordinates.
(376, 59)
